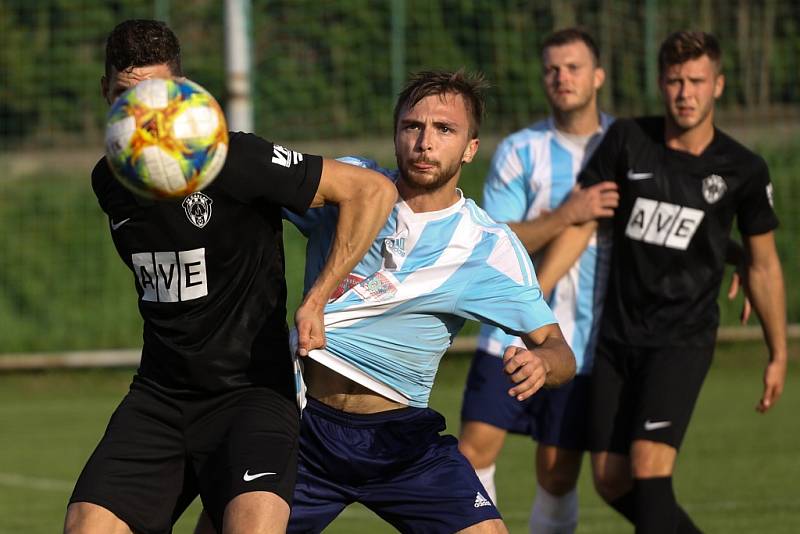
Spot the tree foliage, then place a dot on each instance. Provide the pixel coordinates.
(324, 69)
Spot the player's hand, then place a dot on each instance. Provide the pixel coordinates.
(527, 370)
(774, 378)
(589, 203)
(738, 280)
(308, 320)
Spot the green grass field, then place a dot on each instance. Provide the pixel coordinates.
(737, 473)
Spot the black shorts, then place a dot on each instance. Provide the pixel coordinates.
(644, 393)
(159, 452)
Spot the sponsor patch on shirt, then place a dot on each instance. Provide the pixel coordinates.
(376, 288)
(344, 286)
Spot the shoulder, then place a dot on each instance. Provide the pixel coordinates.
(649, 125)
(738, 154)
(490, 228)
(101, 175)
(503, 255)
(112, 196)
(635, 133)
(606, 121)
(367, 163)
(535, 133)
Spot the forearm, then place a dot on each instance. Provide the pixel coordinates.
(364, 204)
(558, 359)
(562, 253)
(537, 233)
(767, 294)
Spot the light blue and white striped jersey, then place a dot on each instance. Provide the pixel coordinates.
(424, 275)
(532, 172)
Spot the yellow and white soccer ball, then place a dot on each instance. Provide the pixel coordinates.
(166, 138)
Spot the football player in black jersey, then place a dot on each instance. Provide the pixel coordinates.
(682, 182)
(211, 409)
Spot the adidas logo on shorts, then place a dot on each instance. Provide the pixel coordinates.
(480, 500)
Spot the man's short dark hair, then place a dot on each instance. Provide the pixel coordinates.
(471, 86)
(572, 35)
(684, 46)
(141, 43)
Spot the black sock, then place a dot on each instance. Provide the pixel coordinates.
(624, 505)
(685, 524)
(655, 509)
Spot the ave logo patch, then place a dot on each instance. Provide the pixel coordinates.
(198, 208)
(171, 276)
(714, 187)
(285, 157)
(662, 223)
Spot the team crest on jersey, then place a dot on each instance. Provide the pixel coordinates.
(376, 288)
(714, 187)
(198, 208)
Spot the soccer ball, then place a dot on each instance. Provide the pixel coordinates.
(166, 138)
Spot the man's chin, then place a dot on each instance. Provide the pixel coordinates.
(685, 123)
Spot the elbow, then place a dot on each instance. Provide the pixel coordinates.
(384, 194)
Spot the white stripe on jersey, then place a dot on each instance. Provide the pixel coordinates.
(419, 283)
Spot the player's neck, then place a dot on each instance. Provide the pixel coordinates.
(584, 121)
(424, 200)
(693, 140)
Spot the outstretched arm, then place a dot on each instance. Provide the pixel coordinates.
(547, 362)
(765, 282)
(365, 199)
(582, 205)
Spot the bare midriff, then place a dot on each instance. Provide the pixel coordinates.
(341, 393)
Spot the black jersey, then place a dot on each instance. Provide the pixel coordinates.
(671, 230)
(209, 269)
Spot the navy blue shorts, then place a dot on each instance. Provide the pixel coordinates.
(395, 463)
(558, 417)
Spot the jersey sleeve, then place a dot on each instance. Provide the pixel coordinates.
(756, 213)
(506, 293)
(505, 191)
(256, 169)
(606, 161)
(312, 219)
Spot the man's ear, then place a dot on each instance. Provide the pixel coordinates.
(719, 85)
(471, 150)
(599, 77)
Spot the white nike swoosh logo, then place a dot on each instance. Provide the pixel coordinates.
(655, 425)
(115, 226)
(248, 477)
(639, 175)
